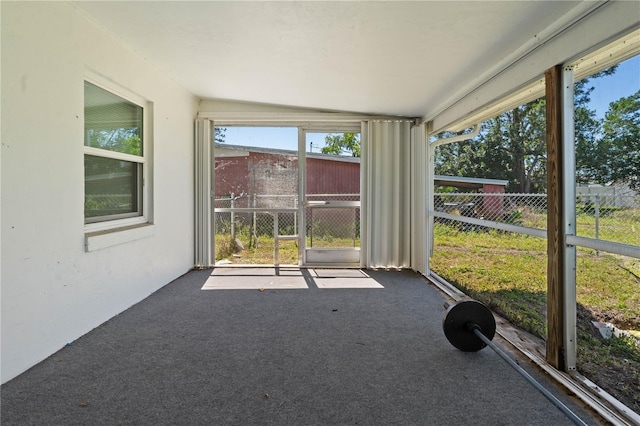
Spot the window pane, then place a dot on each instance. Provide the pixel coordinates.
(111, 188)
(111, 122)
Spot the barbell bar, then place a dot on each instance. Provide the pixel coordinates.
(470, 326)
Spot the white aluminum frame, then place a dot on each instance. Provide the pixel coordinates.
(305, 123)
(204, 241)
(568, 224)
(302, 191)
(333, 257)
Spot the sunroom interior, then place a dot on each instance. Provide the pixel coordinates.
(397, 73)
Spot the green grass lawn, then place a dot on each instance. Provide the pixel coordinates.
(497, 264)
(262, 253)
(620, 226)
(508, 273)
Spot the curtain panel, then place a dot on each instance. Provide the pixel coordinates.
(203, 184)
(386, 186)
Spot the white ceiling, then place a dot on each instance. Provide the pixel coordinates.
(396, 58)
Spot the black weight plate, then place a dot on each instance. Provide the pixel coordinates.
(456, 320)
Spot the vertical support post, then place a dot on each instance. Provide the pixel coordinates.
(233, 218)
(561, 278)
(555, 255)
(419, 185)
(254, 235)
(597, 213)
(302, 196)
(311, 227)
(355, 226)
(295, 216)
(204, 240)
(569, 221)
(429, 207)
(365, 199)
(276, 246)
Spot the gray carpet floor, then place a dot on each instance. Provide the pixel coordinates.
(314, 356)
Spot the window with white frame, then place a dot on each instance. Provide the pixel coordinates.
(114, 159)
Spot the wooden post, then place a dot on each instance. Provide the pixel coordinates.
(555, 234)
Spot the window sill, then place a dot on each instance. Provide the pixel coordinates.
(102, 239)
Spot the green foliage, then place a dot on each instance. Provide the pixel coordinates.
(225, 247)
(598, 358)
(620, 146)
(124, 140)
(507, 272)
(495, 265)
(341, 144)
(260, 253)
(512, 146)
(219, 134)
(514, 217)
(332, 234)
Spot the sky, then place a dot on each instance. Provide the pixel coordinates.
(624, 82)
(268, 137)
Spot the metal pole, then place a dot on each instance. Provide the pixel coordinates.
(311, 228)
(355, 227)
(254, 236)
(570, 414)
(276, 262)
(568, 188)
(233, 218)
(597, 213)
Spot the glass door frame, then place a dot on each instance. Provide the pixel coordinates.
(312, 122)
(304, 204)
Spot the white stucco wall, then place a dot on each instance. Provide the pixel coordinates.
(52, 290)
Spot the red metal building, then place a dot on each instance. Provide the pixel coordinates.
(254, 170)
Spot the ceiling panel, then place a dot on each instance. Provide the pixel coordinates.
(372, 57)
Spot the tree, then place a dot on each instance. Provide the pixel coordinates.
(342, 144)
(121, 139)
(524, 140)
(513, 147)
(460, 158)
(619, 149)
(219, 134)
(587, 130)
(586, 145)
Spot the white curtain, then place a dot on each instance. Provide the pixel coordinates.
(203, 184)
(386, 187)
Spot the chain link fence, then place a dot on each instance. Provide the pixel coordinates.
(331, 227)
(613, 217)
(248, 236)
(242, 235)
(610, 217)
(528, 210)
